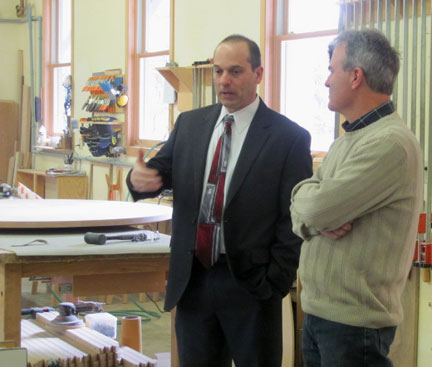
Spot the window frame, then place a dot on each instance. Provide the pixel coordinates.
(50, 64)
(276, 32)
(133, 143)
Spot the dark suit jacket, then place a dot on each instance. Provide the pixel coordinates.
(261, 248)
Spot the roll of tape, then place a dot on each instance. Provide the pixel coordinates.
(131, 333)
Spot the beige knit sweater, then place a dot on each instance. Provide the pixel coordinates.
(372, 177)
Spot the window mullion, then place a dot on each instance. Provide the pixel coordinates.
(285, 22)
(150, 54)
(144, 26)
(287, 88)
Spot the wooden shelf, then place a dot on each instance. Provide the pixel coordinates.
(102, 123)
(181, 79)
(46, 148)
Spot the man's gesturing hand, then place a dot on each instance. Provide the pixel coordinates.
(145, 179)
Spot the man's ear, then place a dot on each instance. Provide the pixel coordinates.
(259, 71)
(357, 77)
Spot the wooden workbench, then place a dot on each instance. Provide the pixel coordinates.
(116, 267)
(91, 274)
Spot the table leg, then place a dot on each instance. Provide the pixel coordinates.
(288, 332)
(174, 352)
(10, 302)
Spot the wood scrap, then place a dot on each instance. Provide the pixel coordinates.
(11, 171)
(102, 350)
(44, 346)
(17, 164)
(25, 120)
(8, 128)
(20, 89)
(97, 342)
(131, 358)
(94, 349)
(26, 160)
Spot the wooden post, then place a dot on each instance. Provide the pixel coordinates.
(174, 352)
(10, 302)
(288, 332)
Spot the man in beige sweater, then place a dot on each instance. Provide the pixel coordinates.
(358, 213)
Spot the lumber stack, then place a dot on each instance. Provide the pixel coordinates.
(75, 347)
(130, 358)
(43, 346)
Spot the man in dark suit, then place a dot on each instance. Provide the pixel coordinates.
(231, 309)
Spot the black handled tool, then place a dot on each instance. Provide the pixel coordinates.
(101, 238)
(34, 310)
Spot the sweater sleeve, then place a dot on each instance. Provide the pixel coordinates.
(363, 181)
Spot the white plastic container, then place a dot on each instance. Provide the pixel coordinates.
(103, 322)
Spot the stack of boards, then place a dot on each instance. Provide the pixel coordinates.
(75, 347)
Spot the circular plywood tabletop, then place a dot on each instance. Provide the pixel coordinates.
(78, 213)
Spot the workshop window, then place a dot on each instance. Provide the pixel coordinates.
(57, 65)
(303, 29)
(150, 44)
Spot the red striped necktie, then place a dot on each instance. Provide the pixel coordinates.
(209, 223)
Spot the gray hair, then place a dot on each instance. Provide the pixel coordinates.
(370, 50)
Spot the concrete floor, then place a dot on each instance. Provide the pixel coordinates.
(156, 332)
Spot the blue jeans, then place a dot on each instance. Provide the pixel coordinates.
(331, 344)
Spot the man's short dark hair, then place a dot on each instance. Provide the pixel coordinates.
(254, 51)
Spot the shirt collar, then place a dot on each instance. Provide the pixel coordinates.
(243, 117)
(370, 117)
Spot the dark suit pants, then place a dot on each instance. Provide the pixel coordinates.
(217, 321)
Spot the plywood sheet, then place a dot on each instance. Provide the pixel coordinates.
(78, 213)
(9, 135)
(25, 120)
(89, 285)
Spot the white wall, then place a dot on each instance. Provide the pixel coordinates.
(14, 37)
(201, 24)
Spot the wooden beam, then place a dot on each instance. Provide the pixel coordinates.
(94, 285)
(10, 302)
(25, 120)
(97, 265)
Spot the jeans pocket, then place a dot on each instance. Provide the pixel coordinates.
(385, 338)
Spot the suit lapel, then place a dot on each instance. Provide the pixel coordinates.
(256, 136)
(201, 139)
